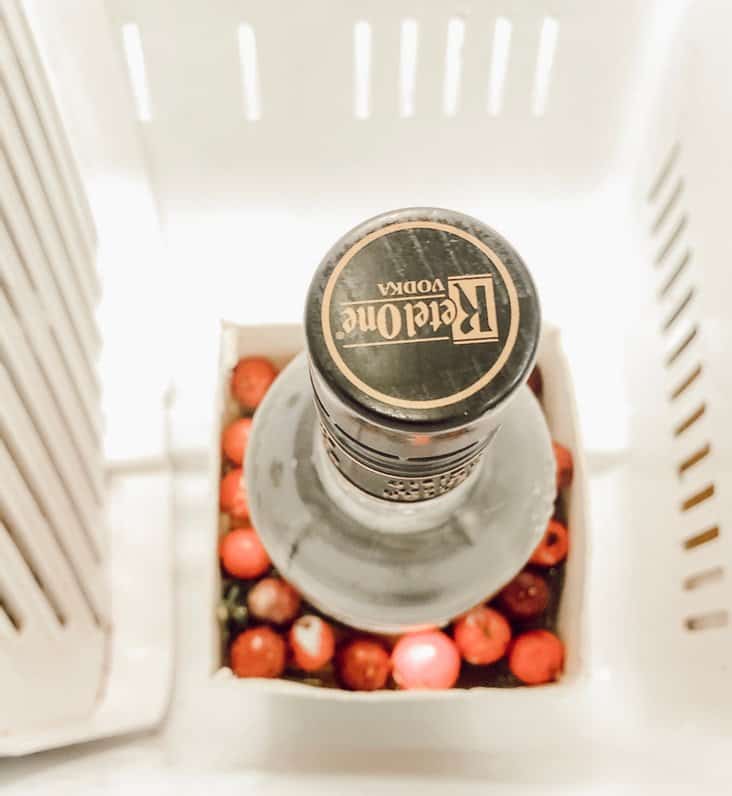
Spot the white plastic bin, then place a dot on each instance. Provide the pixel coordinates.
(223, 147)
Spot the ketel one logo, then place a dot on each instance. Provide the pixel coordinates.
(421, 311)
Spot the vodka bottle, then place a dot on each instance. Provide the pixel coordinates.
(399, 470)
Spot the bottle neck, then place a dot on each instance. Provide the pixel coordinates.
(399, 465)
(389, 515)
(395, 480)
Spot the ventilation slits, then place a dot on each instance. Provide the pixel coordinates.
(664, 172)
(136, 70)
(54, 601)
(675, 274)
(10, 621)
(704, 578)
(249, 66)
(39, 218)
(30, 384)
(696, 457)
(684, 385)
(698, 497)
(689, 421)
(701, 538)
(36, 596)
(24, 247)
(32, 457)
(27, 85)
(39, 545)
(710, 621)
(499, 64)
(53, 357)
(544, 63)
(23, 126)
(408, 54)
(676, 295)
(679, 310)
(671, 240)
(362, 69)
(495, 42)
(668, 207)
(453, 65)
(676, 352)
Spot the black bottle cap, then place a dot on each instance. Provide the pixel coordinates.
(420, 324)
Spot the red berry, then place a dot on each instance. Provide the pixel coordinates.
(525, 597)
(363, 665)
(258, 652)
(242, 554)
(553, 547)
(273, 600)
(426, 659)
(482, 635)
(536, 382)
(565, 465)
(235, 438)
(536, 657)
(251, 379)
(233, 495)
(312, 643)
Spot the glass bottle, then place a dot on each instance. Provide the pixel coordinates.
(400, 471)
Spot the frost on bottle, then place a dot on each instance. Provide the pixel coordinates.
(399, 470)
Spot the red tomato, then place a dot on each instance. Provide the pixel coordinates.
(242, 554)
(553, 547)
(273, 600)
(482, 635)
(312, 643)
(363, 665)
(426, 659)
(536, 657)
(258, 652)
(233, 495)
(525, 597)
(250, 380)
(565, 465)
(235, 438)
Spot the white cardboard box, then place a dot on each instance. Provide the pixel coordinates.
(281, 343)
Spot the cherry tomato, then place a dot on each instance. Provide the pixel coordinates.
(312, 643)
(233, 495)
(482, 635)
(565, 465)
(258, 652)
(525, 597)
(235, 438)
(251, 379)
(553, 547)
(536, 657)
(427, 659)
(273, 600)
(242, 554)
(363, 665)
